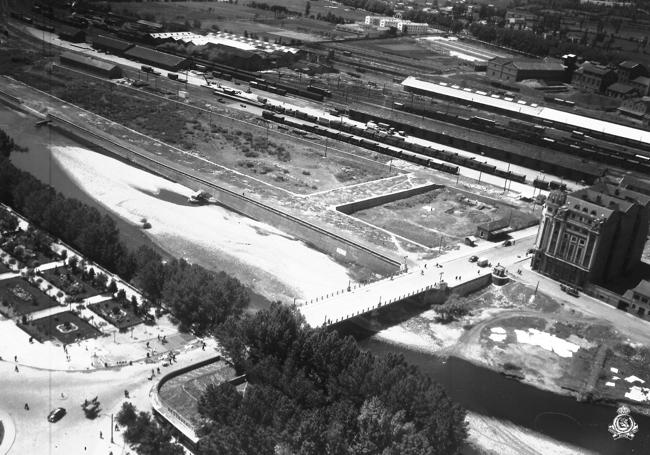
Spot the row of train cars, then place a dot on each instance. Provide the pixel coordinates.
(579, 144)
(377, 139)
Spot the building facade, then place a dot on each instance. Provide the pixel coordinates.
(593, 78)
(510, 70)
(595, 234)
(628, 71)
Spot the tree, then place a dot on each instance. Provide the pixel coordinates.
(311, 391)
(454, 308)
(307, 9)
(112, 287)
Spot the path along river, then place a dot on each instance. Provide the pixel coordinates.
(478, 389)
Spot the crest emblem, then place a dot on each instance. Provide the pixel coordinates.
(623, 425)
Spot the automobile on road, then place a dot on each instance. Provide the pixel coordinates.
(570, 290)
(56, 415)
(473, 258)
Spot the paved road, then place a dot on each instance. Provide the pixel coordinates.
(342, 304)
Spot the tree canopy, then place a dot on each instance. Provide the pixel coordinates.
(311, 391)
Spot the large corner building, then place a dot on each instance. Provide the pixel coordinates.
(593, 235)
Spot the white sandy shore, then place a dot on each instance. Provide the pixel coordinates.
(273, 263)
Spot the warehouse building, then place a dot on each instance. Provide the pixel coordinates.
(72, 34)
(85, 63)
(510, 70)
(111, 45)
(156, 58)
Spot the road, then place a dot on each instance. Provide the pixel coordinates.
(45, 390)
(454, 268)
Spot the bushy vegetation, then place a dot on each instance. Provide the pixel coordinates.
(311, 391)
(145, 434)
(198, 298)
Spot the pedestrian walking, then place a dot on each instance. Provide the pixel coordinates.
(15, 358)
(16, 369)
(101, 435)
(26, 407)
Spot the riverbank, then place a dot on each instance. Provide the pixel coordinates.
(531, 337)
(272, 262)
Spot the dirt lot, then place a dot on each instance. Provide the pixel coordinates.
(440, 213)
(268, 155)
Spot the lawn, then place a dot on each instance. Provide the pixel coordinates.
(65, 327)
(4, 268)
(20, 297)
(120, 314)
(70, 283)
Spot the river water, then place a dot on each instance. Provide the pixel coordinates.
(478, 389)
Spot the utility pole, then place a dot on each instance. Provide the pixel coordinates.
(112, 429)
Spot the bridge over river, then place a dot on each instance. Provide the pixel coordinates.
(424, 279)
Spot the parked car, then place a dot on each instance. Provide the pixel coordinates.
(570, 290)
(508, 243)
(56, 415)
(473, 258)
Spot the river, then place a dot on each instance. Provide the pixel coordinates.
(478, 389)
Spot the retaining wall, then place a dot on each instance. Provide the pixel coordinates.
(473, 285)
(317, 237)
(363, 204)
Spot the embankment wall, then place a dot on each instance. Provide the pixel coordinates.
(319, 238)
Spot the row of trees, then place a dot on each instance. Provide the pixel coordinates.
(532, 43)
(311, 391)
(198, 298)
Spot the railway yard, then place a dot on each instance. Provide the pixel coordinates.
(395, 162)
(308, 144)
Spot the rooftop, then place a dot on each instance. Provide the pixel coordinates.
(112, 43)
(533, 110)
(88, 61)
(494, 225)
(628, 64)
(619, 87)
(225, 39)
(169, 60)
(642, 288)
(589, 67)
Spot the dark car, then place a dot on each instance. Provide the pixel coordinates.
(570, 290)
(56, 415)
(473, 258)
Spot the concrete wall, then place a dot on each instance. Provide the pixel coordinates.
(472, 286)
(317, 237)
(363, 204)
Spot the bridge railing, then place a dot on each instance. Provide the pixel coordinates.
(380, 304)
